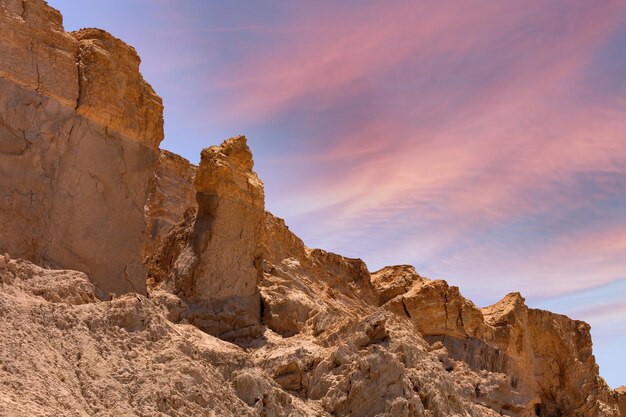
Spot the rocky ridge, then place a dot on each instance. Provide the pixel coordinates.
(136, 283)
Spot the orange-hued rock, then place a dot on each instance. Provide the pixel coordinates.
(226, 235)
(89, 70)
(171, 195)
(620, 395)
(136, 283)
(209, 261)
(36, 52)
(112, 91)
(545, 359)
(74, 183)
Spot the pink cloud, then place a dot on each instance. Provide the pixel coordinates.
(515, 150)
(336, 54)
(475, 116)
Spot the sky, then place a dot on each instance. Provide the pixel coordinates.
(483, 142)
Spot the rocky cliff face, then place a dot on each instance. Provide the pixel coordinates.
(79, 135)
(220, 309)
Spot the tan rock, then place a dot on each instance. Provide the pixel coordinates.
(230, 210)
(620, 394)
(316, 333)
(544, 358)
(171, 195)
(112, 91)
(73, 190)
(392, 281)
(119, 357)
(89, 70)
(438, 309)
(36, 52)
(214, 269)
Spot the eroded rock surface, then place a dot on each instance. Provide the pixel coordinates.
(64, 352)
(238, 317)
(209, 261)
(171, 195)
(544, 360)
(79, 131)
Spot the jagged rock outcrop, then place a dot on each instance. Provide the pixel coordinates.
(112, 91)
(64, 352)
(236, 316)
(620, 396)
(210, 262)
(79, 132)
(545, 359)
(36, 52)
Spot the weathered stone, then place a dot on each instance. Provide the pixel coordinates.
(544, 358)
(73, 185)
(36, 52)
(172, 194)
(392, 281)
(64, 352)
(214, 271)
(112, 91)
(620, 394)
(318, 334)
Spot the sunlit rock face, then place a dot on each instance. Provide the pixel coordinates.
(79, 135)
(136, 283)
(213, 268)
(545, 359)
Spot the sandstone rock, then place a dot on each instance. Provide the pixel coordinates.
(392, 281)
(36, 52)
(171, 195)
(73, 183)
(438, 309)
(309, 291)
(112, 91)
(119, 357)
(620, 394)
(214, 269)
(55, 286)
(544, 359)
(226, 235)
(316, 334)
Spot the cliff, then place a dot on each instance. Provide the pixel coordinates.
(79, 136)
(135, 283)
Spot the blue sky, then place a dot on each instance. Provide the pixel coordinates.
(483, 142)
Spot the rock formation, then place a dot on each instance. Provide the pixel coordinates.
(136, 283)
(79, 136)
(212, 269)
(171, 195)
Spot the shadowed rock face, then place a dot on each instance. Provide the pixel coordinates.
(79, 132)
(620, 395)
(171, 195)
(84, 186)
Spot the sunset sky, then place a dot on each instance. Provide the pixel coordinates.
(483, 142)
